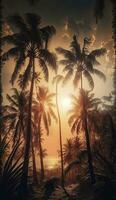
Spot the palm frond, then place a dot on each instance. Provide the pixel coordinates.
(50, 58)
(26, 75)
(89, 78)
(52, 113)
(68, 76)
(17, 21)
(46, 122)
(66, 53)
(98, 52)
(44, 69)
(18, 66)
(57, 79)
(13, 52)
(71, 166)
(99, 74)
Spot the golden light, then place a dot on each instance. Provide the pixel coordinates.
(52, 162)
(66, 102)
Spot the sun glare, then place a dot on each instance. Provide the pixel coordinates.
(66, 102)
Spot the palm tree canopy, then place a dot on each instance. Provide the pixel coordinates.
(80, 61)
(29, 40)
(15, 113)
(44, 107)
(85, 100)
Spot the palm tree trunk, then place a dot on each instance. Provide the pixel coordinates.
(28, 136)
(35, 179)
(41, 152)
(89, 154)
(1, 98)
(60, 138)
(81, 80)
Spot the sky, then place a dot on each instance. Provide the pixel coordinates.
(69, 17)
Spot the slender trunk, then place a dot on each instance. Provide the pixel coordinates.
(60, 137)
(81, 80)
(28, 136)
(35, 179)
(41, 151)
(91, 170)
(89, 154)
(1, 98)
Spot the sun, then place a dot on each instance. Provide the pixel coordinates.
(66, 102)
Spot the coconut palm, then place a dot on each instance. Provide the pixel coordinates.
(15, 114)
(71, 150)
(43, 110)
(99, 11)
(80, 62)
(30, 44)
(81, 112)
(57, 80)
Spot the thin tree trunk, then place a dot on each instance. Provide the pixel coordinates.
(81, 80)
(91, 170)
(89, 154)
(1, 97)
(41, 151)
(28, 136)
(35, 179)
(60, 138)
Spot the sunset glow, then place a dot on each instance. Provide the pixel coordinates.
(66, 102)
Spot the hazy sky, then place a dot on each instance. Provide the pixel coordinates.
(69, 17)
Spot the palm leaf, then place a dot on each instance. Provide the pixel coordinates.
(100, 74)
(98, 52)
(89, 78)
(18, 66)
(18, 22)
(71, 166)
(44, 69)
(66, 53)
(26, 75)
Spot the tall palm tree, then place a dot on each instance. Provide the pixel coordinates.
(43, 111)
(30, 45)
(83, 108)
(57, 79)
(80, 62)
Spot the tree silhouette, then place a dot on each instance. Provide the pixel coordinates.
(30, 44)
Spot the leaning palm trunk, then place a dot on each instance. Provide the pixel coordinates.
(60, 138)
(28, 136)
(41, 152)
(89, 154)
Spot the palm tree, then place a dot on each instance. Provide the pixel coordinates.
(43, 113)
(57, 79)
(99, 11)
(83, 108)
(71, 150)
(30, 45)
(80, 62)
(15, 114)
